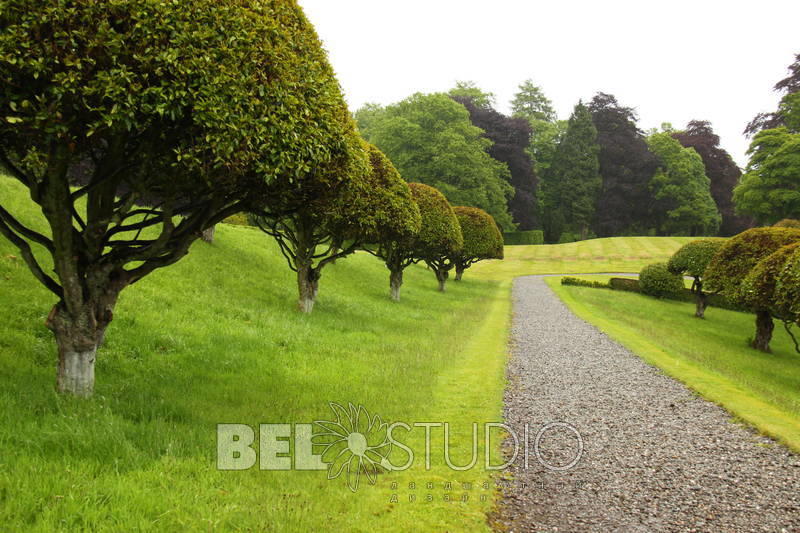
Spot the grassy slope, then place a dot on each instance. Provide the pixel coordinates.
(216, 339)
(616, 254)
(711, 356)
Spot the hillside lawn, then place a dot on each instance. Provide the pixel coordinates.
(216, 339)
(712, 356)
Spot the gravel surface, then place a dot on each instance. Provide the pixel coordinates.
(655, 456)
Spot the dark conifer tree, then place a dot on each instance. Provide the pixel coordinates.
(572, 183)
(626, 166)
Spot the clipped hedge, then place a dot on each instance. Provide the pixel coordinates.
(516, 238)
(577, 282)
(625, 284)
(656, 280)
(787, 223)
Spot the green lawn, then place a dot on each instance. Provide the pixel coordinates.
(616, 254)
(711, 356)
(216, 339)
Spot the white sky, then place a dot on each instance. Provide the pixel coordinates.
(670, 60)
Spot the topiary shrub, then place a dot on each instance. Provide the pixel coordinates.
(439, 237)
(533, 236)
(577, 282)
(482, 238)
(692, 259)
(787, 223)
(625, 284)
(656, 280)
(734, 261)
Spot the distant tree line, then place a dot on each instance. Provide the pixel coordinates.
(595, 174)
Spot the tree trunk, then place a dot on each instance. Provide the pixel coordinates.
(208, 234)
(459, 272)
(764, 328)
(395, 282)
(441, 276)
(307, 287)
(78, 339)
(701, 300)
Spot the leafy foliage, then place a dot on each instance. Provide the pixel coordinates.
(626, 165)
(439, 238)
(788, 113)
(510, 141)
(530, 103)
(786, 301)
(570, 186)
(721, 170)
(194, 112)
(482, 238)
(787, 223)
(770, 187)
(683, 203)
(534, 236)
(430, 138)
(740, 254)
(467, 90)
(692, 259)
(657, 280)
(758, 289)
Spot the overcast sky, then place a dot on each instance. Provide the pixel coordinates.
(671, 61)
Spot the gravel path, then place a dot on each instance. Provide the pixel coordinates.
(655, 456)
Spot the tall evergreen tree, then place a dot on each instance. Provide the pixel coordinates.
(569, 191)
(510, 138)
(720, 169)
(530, 102)
(626, 165)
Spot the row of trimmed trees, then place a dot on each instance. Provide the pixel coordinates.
(135, 127)
(758, 270)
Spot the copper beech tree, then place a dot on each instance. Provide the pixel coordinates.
(136, 125)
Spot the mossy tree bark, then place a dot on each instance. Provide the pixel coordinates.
(764, 328)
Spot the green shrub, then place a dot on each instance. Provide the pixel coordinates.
(758, 289)
(567, 237)
(656, 280)
(693, 258)
(482, 238)
(740, 254)
(787, 223)
(440, 236)
(513, 238)
(625, 284)
(577, 282)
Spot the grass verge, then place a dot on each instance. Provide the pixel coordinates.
(710, 356)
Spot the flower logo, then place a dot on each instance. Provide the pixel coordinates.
(355, 443)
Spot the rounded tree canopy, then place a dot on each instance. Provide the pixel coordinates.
(482, 237)
(693, 258)
(219, 95)
(787, 223)
(758, 289)
(440, 234)
(786, 300)
(379, 206)
(740, 254)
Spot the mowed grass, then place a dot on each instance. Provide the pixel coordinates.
(711, 356)
(614, 254)
(216, 339)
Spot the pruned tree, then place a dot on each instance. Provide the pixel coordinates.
(399, 222)
(683, 204)
(721, 170)
(161, 121)
(734, 261)
(626, 165)
(440, 236)
(760, 288)
(482, 239)
(692, 259)
(331, 220)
